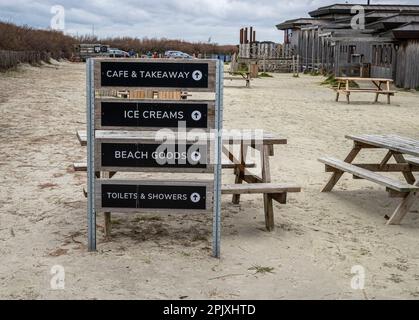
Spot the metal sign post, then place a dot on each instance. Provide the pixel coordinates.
(218, 165)
(91, 213)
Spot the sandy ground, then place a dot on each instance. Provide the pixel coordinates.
(318, 239)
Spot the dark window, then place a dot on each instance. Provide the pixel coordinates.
(351, 51)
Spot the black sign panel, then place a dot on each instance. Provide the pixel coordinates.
(154, 74)
(132, 155)
(154, 115)
(154, 197)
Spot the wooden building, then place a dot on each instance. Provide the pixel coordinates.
(386, 46)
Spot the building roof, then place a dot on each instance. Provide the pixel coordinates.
(407, 31)
(346, 9)
(393, 21)
(295, 23)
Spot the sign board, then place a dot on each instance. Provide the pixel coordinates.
(156, 196)
(154, 115)
(120, 155)
(124, 135)
(190, 75)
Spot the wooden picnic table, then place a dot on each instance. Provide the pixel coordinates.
(380, 86)
(244, 76)
(255, 184)
(397, 147)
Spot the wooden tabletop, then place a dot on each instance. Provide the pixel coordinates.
(228, 138)
(391, 142)
(363, 79)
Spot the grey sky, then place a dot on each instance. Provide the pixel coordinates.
(193, 20)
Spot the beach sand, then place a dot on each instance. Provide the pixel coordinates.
(318, 238)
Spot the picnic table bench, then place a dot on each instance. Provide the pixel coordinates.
(345, 88)
(244, 76)
(255, 184)
(397, 147)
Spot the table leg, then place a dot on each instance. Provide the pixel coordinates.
(337, 175)
(403, 208)
(410, 178)
(378, 89)
(337, 92)
(267, 199)
(239, 172)
(107, 215)
(386, 159)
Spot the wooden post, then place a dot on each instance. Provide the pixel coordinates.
(267, 199)
(337, 175)
(239, 172)
(298, 65)
(410, 178)
(107, 215)
(404, 208)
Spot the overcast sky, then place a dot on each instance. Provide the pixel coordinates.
(193, 20)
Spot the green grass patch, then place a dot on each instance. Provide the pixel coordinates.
(265, 75)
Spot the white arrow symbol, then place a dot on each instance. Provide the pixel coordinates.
(196, 156)
(196, 115)
(197, 75)
(195, 197)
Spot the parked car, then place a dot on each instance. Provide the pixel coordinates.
(177, 55)
(116, 53)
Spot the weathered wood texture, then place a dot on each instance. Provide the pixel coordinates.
(258, 188)
(391, 142)
(368, 175)
(228, 138)
(407, 74)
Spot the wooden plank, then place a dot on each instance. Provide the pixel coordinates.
(381, 168)
(413, 161)
(230, 138)
(146, 115)
(167, 188)
(334, 179)
(267, 200)
(366, 91)
(82, 166)
(98, 73)
(368, 175)
(259, 188)
(403, 208)
(364, 79)
(82, 137)
(390, 142)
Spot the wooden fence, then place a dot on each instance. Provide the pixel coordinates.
(10, 59)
